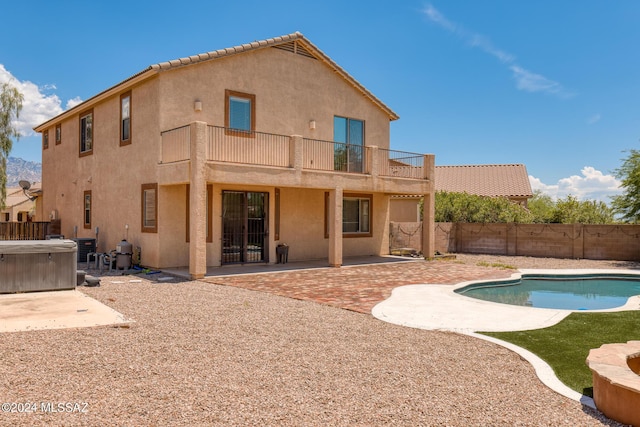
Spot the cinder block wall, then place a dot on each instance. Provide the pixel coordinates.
(612, 242)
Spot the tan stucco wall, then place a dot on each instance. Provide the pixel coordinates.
(404, 210)
(290, 91)
(302, 223)
(113, 173)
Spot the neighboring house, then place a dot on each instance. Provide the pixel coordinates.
(510, 181)
(220, 157)
(21, 207)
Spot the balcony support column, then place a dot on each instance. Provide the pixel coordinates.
(373, 160)
(295, 152)
(198, 202)
(335, 227)
(429, 209)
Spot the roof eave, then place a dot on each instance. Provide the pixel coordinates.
(181, 62)
(131, 81)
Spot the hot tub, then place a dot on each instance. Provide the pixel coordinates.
(37, 265)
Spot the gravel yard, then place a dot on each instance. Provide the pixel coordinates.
(204, 354)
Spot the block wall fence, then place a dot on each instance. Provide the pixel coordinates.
(598, 242)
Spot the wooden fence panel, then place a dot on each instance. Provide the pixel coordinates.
(24, 230)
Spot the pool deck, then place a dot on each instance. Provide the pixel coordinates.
(438, 307)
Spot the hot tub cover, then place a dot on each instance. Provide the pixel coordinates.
(37, 246)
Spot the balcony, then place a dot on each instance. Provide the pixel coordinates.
(258, 149)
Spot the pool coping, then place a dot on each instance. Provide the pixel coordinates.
(431, 306)
(631, 304)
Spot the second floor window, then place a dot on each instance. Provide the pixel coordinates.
(125, 118)
(86, 133)
(45, 139)
(58, 134)
(240, 112)
(349, 134)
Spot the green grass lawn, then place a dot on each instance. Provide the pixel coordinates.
(565, 346)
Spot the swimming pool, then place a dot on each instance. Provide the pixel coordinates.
(566, 292)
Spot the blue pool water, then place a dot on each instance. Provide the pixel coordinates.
(584, 292)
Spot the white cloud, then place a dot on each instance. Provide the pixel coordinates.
(73, 102)
(438, 18)
(480, 41)
(591, 185)
(532, 82)
(594, 119)
(38, 106)
(525, 79)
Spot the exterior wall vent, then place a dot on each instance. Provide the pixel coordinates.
(295, 47)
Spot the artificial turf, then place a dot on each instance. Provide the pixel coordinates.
(565, 346)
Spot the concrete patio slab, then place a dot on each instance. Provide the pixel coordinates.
(54, 310)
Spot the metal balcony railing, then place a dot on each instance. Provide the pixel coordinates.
(248, 147)
(333, 156)
(176, 144)
(400, 164)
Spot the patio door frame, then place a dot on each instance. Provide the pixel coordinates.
(245, 238)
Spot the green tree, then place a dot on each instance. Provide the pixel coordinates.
(628, 203)
(541, 207)
(10, 107)
(463, 207)
(570, 210)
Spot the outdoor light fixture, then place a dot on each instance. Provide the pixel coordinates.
(26, 185)
(197, 106)
(312, 124)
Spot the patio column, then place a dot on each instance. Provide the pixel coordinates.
(198, 202)
(335, 227)
(429, 209)
(428, 226)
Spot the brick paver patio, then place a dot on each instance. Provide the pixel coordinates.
(359, 288)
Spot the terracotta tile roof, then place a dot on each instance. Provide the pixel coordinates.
(484, 180)
(309, 48)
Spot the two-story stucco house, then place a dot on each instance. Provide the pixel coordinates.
(220, 157)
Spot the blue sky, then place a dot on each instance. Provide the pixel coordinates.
(554, 85)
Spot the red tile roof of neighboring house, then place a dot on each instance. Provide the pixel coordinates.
(484, 180)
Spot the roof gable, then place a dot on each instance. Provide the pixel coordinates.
(295, 43)
(511, 180)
